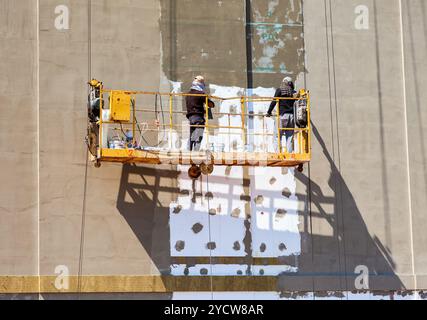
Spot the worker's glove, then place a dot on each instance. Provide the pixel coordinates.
(268, 115)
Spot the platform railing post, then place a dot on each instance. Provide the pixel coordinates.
(263, 135)
(243, 111)
(101, 93)
(309, 123)
(207, 122)
(300, 133)
(279, 141)
(133, 103)
(170, 120)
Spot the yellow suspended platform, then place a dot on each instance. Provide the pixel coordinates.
(237, 131)
(197, 158)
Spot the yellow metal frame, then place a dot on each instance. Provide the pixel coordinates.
(120, 105)
(280, 159)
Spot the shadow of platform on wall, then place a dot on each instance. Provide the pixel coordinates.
(143, 200)
(329, 262)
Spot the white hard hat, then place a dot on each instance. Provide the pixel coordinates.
(287, 79)
(200, 79)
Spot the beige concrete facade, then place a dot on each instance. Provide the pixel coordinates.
(360, 202)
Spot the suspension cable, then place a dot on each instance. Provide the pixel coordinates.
(83, 221)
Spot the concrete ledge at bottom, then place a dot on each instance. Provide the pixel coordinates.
(134, 284)
(169, 284)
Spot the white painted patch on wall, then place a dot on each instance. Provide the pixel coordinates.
(275, 217)
(208, 219)
(208, 214)
(248, 296)
(240, 296)
(272, 4)
(176, 86)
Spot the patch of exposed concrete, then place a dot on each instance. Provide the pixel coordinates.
(236, 213)
(282, 247)
(259, 200)
(211, 245)
(286, 192)
(280, 214)
(236, 246)
(177, 209)
(179, 246)
(197, 228)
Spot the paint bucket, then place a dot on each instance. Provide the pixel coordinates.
(106, 115)
(217, 147)
(116, 144)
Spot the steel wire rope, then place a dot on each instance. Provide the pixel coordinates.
(157, 119)
(210, 236)
(83, 220)
(309, 190)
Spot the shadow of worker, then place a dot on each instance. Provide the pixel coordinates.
(143, 200)
(333, 261)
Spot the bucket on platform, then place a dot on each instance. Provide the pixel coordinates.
(217, 147)
(116, 144)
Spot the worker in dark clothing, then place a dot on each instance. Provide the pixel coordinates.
(286, 113)
(196, 112)
(94, 100)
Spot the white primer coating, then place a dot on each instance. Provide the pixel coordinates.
(273, 235)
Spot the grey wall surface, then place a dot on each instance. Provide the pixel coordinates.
(361, 200)
(360, 151)
(414, 36)
(18, 141)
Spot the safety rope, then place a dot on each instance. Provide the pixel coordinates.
(330, 51)
(210, 232)
(157, 119)
(309, 190)
(83, 221)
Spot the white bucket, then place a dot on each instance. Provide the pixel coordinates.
(116, 144)
(217, 147)
(106, 115)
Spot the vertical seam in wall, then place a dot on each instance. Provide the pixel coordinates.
(83, 220)
(340, 182)
(335, 142)
(402, 42)
(309, 190)
(38, 139)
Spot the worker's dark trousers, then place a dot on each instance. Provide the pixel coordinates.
(196, 133)
(287, 144)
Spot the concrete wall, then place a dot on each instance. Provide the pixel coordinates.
(360, 202)
(414, 40)
(359, 131)
(18, 142)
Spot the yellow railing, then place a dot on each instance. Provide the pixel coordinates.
(303, 139)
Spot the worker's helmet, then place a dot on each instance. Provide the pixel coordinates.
(287, 79)
(95, 83)
(200, 79)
